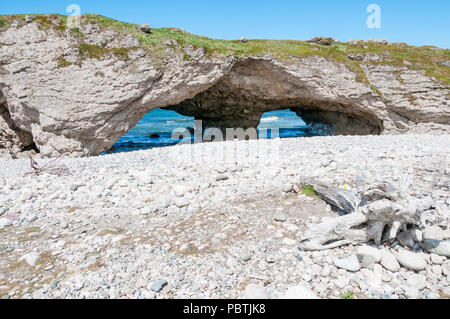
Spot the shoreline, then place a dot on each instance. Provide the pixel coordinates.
(154, 224)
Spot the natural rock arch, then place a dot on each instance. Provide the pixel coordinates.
(256, 86)
(77, 96)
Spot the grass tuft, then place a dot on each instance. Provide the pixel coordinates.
(63, 63)
(348, 295)
(97, 52)
(308, 190)
(426, 58)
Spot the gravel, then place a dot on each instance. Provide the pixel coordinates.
(152, 224)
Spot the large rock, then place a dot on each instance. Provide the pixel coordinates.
(405, 239)
(145, 28)
(300, 292)
(5, 222)
(417, 281)
(446, 268)
(434, 241)
(411, 260)
(104, 82)
(350, 263)
(254, 291)
(365, 250)
(389, 261)
(30, 258)
(441, 247)
(378, 41)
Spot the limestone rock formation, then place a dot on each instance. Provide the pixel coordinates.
(77, 91)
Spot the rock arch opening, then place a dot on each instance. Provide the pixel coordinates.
(154, 130)
(254, 86)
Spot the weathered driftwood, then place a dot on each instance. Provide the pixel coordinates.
(49, 168)
(374, 212)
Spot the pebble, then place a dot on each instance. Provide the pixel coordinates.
(280, 217)
(54, 284)
(412, 293)
(369, 251)
(222, 178)
(350, 263)
(30, 258)
(180, 190)
(300, 292)
(131, 199)
(245, 257)
(254, 291)
(157, 286)
(389, 261)
(441, 248)
(289, 242)
(446, 268)
(181, 202)
(3, 210)
(417, 281)
(405, 239)
(416, 234)
(4, 222)
(436, 259)
(342, 282)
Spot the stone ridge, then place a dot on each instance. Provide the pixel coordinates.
(77, 91)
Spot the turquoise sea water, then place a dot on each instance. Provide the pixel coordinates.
(161, 123)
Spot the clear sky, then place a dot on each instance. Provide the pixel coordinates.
(417, 22)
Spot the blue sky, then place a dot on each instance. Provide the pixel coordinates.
(412, 21)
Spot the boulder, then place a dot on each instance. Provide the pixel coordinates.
(254, 291)
(416, 234)
(434, 241)
(411, 260)
(30, 258)
(405, 239)
(350, 263)
(243, 40)
(5, 222)
(356, 57)
(417, 281)
(389, 261)
(378, 41)
(300, 292)
(321, 41)
(145, 28)
(365, 250)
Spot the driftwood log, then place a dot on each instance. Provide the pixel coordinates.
(377, 212)
(50, 168)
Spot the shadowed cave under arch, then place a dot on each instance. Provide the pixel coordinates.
(254, 87)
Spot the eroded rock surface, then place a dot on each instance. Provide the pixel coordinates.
(78, 95)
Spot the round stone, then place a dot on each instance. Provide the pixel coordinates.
(369, 251)
(411, 261)
(300, 292)
(349, 263)
(412, 293)
(254, 291)
(389, 261)
(417, 281)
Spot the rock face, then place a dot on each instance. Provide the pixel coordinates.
(59, 96)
